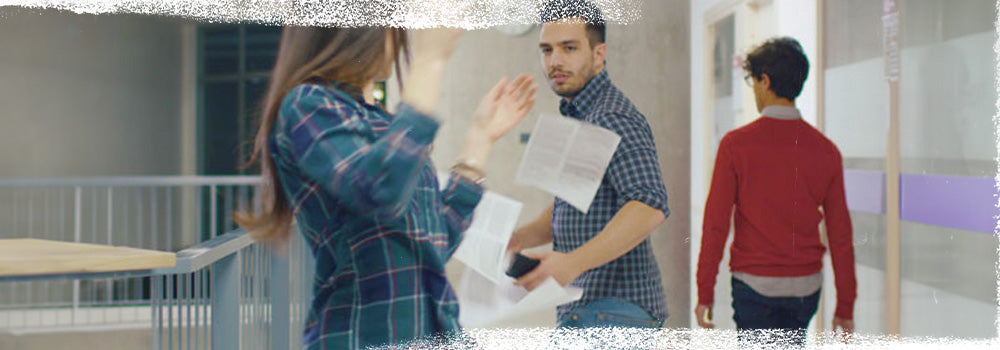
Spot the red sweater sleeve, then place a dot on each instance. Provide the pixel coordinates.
(715, 228)
(839, 232)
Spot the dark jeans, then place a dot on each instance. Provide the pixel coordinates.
(760, 319)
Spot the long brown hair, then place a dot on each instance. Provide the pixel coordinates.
(347, 57)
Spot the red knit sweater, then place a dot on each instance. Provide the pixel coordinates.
(777, 174)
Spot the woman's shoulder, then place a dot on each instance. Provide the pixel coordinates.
(321, 104)
(317, 95)
(310, 109)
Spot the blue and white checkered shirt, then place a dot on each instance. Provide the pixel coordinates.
(633, 175)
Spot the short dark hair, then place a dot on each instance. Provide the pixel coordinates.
(783, 60)
(555, 10)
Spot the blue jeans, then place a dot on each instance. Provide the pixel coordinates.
(788, 316)
(609, 312)
(586, 326)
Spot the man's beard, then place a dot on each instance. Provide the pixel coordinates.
(576, 91)
(569, 94)
(583, 82)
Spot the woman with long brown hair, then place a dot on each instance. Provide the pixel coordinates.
(359, 183)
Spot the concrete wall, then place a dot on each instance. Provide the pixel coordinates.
(86, 95)
(649, 61)
(82, 95)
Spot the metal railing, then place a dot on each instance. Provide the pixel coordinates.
(229, 293)
(257, 299)
(166, 213)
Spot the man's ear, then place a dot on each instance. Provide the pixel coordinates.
(600, 56)
(765, 81)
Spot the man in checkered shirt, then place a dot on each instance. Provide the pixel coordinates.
(606, 251)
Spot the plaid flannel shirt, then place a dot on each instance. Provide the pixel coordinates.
(366, 198)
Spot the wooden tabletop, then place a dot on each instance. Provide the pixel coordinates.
(19, 257)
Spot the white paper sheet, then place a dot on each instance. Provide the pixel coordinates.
(567, 158)
(485, 243)
(484, 304)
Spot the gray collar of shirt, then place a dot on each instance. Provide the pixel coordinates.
(781, 112)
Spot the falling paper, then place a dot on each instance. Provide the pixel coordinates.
(485, 243)
(484, 304)
(568, 158)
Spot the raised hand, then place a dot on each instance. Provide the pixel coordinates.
(504, 106)
(433, 45)
(431, 50)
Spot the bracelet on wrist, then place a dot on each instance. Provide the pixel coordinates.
(469, 171)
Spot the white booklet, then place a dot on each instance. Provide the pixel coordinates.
(567, 158)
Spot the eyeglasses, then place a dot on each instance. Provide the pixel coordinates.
(748, 79)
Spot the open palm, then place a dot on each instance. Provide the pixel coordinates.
(505, 106)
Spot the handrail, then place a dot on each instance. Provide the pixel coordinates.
(76, 275)
(188, 260)
(224, 288)
(128, 181)
(205, 253)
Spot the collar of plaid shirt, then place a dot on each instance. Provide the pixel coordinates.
(584, 100)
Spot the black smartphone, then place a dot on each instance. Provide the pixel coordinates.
(521, 265)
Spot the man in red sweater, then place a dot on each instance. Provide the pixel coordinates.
(777, 172)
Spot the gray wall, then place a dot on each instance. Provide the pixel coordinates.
(86, 95)
(649, 61)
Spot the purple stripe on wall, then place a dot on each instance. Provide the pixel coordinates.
(865, 190)
(961, 202)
